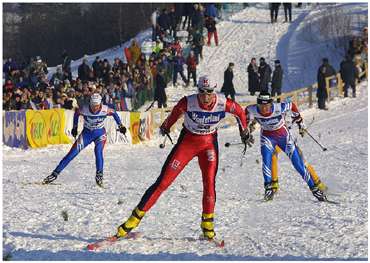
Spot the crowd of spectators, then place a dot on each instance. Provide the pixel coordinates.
(28, 87)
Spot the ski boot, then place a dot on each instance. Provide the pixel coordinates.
(50, 178)
(207, 226)
(321, 186)
(269, 192)
(318, 194)
(99, 179)
(275, 186)
(132, 222)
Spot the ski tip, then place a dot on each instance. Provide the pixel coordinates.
(90, 247)
(221, 244)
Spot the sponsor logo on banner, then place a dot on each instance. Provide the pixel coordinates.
(45, 127)
(140, 126)
(14, 129)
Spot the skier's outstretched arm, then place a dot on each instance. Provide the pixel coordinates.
(175, 114)
(112, 112)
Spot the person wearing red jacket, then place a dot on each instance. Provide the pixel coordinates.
(191, 62)
(211, 29)
(202, 114)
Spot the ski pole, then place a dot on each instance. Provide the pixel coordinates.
(322, 147)
(228, 144)
(150, 106)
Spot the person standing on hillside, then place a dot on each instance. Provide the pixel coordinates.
(325, 70)
(274, 10)
(348, 73)
(288, 10)
(94, 115)
(264, 72)
(160, 89)
(277, 79)
(191, 62)
(202, 113)
(212, 30)
(228, 86)
(253, 78)
(274, 132)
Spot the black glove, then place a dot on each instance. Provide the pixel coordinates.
(247, 137)
(74, 132)
(300, 124)
(122, 129)
(163, 131)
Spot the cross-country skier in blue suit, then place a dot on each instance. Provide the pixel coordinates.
(94, 115)
(274, 132)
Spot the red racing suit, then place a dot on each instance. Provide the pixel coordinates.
(197, 138)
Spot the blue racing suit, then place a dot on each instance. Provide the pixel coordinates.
(274, 132)
(93, 131)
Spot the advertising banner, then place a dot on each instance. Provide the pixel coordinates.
(45, 127)
(14, 129)
(141, 126)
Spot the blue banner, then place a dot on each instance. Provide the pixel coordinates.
(14, 129)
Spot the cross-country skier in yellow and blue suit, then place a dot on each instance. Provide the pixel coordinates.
(274, 133)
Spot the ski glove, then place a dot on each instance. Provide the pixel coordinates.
(301, 125)
(122, 129)
(74, 132)
(246, 137)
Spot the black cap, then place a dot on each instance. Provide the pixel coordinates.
(264, 98)
(277, 61)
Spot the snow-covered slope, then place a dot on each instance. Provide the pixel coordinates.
(292, 227)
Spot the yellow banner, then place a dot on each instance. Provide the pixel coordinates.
(45, 127)
(135, 126)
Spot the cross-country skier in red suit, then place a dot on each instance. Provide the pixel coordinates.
(202, 114)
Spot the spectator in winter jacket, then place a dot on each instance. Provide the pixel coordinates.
(83, 70)
(211, 11)
(197, 20)
(176, 47)
(198, 43)
(164, 20)
(212, 30)
(274, 10)
(66, 65)
(277, 79)
(191, 62)
(135, 52)
(264, 71)
(160, 89)
(228, 86)
(178, 67)
(288, 10)
(324, 71)
(172, 21)
(349, 74)
(97, 67)
(253, 78)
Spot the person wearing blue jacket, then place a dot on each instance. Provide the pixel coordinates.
(178, 67)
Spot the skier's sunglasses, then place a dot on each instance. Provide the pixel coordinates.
(203, 91)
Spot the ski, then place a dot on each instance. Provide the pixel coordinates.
(332, 202)
(39, 183)
(220, 243)
(111, 240)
